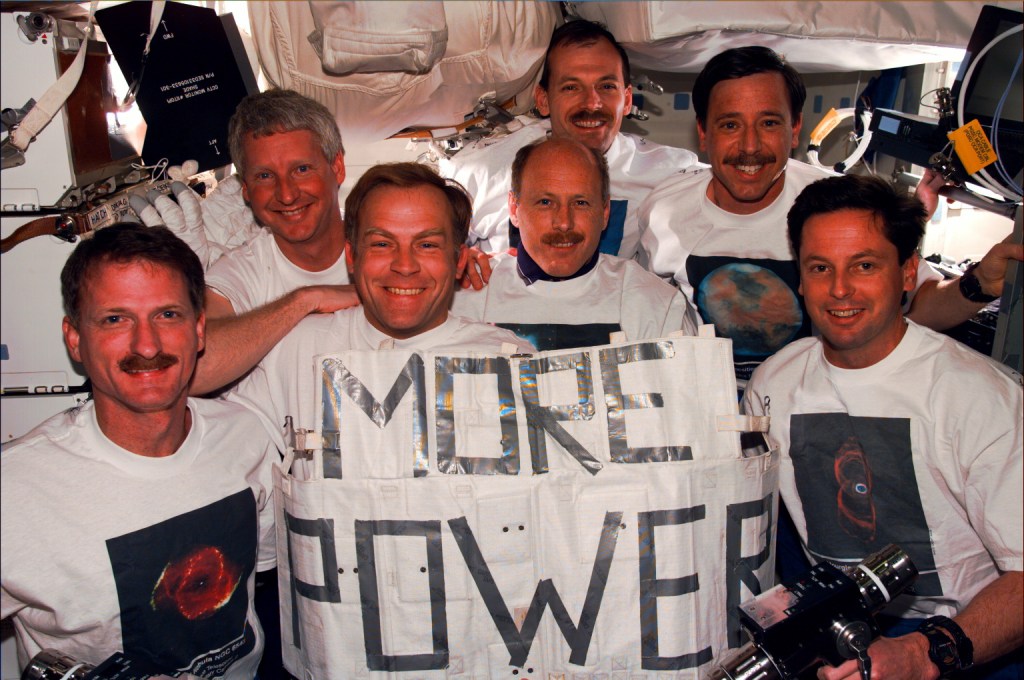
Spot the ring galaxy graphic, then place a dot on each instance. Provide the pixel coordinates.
(198, 584)
(854, 503)
(857, 485)
(182, 586)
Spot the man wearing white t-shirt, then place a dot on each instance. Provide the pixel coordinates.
(720, 235)
(406, 239)
(892, 433)
(559, 290)
(585, 90)
(134, 524)
(288, 153)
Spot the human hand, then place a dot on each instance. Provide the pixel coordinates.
(477, 270)
(156, 209)
(927, 190)
(327, 299)
(900, 658)
(229, 221)
(184, 217)
(991, 270)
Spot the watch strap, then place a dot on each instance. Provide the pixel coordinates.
(970, 286)
(949, 647)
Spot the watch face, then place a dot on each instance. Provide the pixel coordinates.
(943, 653)
(942, 649)
(970, 287)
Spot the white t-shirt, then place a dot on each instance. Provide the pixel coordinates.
(853, 442)
(737, 270)
(105, 550)
(635, 166)
(285, 383)
(256, 273)
(616, 295)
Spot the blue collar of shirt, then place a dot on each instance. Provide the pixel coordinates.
(530, 272)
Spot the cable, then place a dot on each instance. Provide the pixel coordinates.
(982, 177)
(996, 117)
(829, 123)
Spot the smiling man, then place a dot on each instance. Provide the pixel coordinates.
(584, 94)
(719, 233)
(406, 239)
(559, 290)
(289, 157)
(892, 433)
(153, 510)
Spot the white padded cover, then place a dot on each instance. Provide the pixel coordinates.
(813, 36)
(491, 47)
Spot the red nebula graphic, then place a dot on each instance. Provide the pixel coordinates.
(855, 504)
(196, 585)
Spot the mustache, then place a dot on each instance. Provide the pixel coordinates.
(590, 116)
(137, 363)
(750, 159)
(560, 237)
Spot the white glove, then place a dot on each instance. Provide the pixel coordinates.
(211, 227)
(229, 221)
(184, 218)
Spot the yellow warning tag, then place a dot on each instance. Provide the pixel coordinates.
(972, 146)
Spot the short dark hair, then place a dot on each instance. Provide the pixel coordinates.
(275, 111)
(581, 32)
(524, 153)
(123, 243)
(902, 217)
(740, 62)
(408, 176)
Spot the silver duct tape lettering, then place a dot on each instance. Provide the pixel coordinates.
(576, 628)
(543, 420)
(742, 569)
(338, 380)
(617, 403)
(445, 370)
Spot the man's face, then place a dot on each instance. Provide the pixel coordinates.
(404, 259)
(853, 283)
(137, 337)
(559, 211)
(293, 190)
(586, 96)
(748, 136)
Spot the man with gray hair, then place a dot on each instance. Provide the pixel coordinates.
(289, 156)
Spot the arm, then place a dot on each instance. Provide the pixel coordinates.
(940, 305)
(234, 344)
(993, 620)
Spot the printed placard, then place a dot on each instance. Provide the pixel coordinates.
(572, 513)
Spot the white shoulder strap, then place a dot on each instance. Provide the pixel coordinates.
(47, 105)
(741, 423)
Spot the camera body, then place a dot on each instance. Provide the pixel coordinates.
(826, 616)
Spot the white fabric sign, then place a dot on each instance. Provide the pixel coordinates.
(563, 514)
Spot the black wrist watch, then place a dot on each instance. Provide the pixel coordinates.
(970, 286)
(949, 648)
